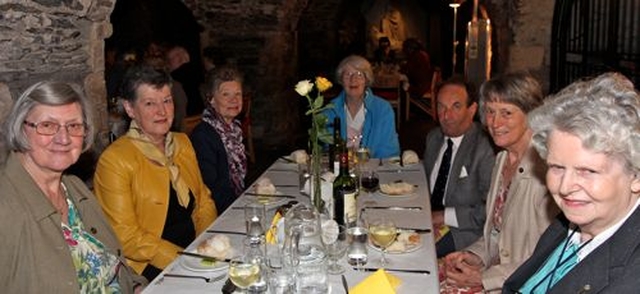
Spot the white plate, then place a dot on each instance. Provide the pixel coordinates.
(196, 264)
(409, 248)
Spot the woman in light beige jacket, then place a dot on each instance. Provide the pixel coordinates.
(519, 208)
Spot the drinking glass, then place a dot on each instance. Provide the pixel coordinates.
(369, 181)
(357, 252)
(254, 217)
(383, 232)
(244, 271)
(335, 245)
(281, 277)
(256, 252)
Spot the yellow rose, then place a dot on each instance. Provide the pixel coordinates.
(304, 87)
(323, 84)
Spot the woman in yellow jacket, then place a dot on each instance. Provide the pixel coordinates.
(148, 181)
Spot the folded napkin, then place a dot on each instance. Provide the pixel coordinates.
(410, 157)
(265, 186)
(379, 282)
(300, 156)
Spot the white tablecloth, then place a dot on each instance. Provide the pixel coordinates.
(286, 174)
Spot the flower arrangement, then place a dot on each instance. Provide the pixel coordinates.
(318, 131)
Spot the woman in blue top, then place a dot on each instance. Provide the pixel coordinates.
(366, 120)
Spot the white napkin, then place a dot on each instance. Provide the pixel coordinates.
(410, 157)
(265, 186)
(300, 156)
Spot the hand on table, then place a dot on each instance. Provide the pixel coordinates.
(463, 269)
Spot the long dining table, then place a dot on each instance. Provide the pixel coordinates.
(284, 175)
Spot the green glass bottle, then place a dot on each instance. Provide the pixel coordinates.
(344, 192)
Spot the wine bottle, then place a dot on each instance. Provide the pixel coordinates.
(334, 151)
(344, 192)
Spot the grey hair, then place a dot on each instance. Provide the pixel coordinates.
(219, 76)
(519, 89)
(359, 63)
(604, 112)
(49, 93)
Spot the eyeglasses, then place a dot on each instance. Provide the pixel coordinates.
(49, 128)
(358, 75)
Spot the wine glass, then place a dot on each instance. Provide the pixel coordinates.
(369, 181)
(335, 245)
(383, 232)
(244, 270)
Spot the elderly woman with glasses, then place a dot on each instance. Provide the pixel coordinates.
(366, 120)
(217, 140)
(148, 181)
(55, 238)
(589, 135)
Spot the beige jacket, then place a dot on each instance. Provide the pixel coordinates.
(528, 211)
(33, 253)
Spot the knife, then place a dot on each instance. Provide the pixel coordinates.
(345, 285)
(206, 257)
(397, 170)
(415, 230)
(226, 232)
(394, 207)
(289, 160)
(373, 269)
(270, 195)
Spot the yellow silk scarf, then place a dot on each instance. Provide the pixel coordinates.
(145, 145)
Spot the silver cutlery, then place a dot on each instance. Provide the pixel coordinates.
(226, 232)
(397, 170)
(271, 195)
(373, 269)
(289, 160)
(205, 257)
(415, 208)
(206, 279)
(415, 230)
(345, 284)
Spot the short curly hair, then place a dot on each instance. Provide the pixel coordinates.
(604, 112)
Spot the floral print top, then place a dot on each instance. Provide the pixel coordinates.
(97, 268)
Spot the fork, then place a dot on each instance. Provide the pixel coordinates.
(206, 279)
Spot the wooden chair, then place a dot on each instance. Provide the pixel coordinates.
(392, 95)
(190, 122)
(245, 120)
(427, 102)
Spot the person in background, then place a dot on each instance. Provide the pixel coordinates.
(189, 75)
(55, 238)
(148, 181)
(588, 134)
(217, 140)
(518, 205)
(417, 67)
(384, 54)
(366, 120)
(459, 186)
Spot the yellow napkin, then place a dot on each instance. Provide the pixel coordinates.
(379, 282)
(441, 232)
(272, 232)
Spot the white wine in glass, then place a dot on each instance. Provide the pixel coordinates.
(383, 232)
(243, 272)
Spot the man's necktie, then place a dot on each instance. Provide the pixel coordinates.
(441, 181)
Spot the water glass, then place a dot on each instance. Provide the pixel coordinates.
(357, 253)
(256, 252)
(280, 277)
(255, 220)
(303, 176)
(335, 245)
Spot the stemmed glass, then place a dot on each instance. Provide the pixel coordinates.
(383, 232)
(244, 270)
(369, 181)
(335, 245)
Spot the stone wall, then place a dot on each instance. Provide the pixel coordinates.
(60, 40)
(275, 42)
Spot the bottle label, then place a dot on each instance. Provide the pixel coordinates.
(350, 208)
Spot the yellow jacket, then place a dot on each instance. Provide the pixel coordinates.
(134, 194)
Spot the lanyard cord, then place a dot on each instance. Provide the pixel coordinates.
(560, 262)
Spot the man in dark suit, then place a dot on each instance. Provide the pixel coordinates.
(458, 160)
